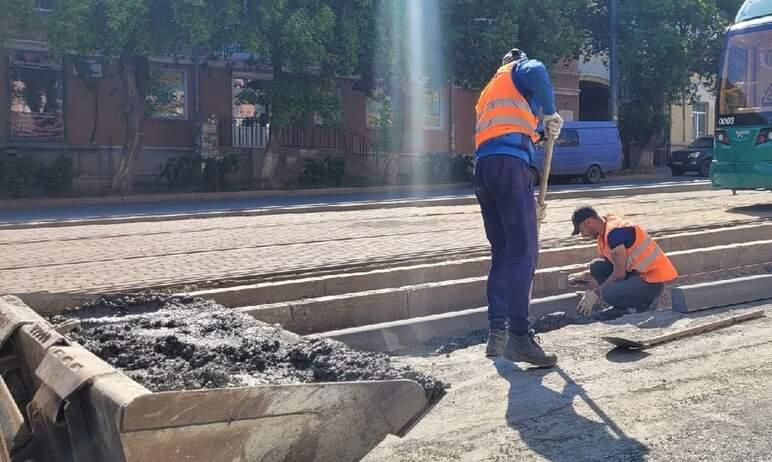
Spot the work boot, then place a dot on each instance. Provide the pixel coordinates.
(525, 349)
(496, 340)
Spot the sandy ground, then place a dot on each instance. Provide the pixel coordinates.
(705, 398)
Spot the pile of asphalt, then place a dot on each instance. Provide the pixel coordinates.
(169, 342)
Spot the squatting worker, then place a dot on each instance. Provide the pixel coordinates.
(631, 270)
(507, 119)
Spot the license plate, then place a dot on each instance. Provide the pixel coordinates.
(678, 163)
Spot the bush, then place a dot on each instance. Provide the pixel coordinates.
(436, 168)
(27, 177)
(216, 172)
(188, 171)
(320, 173)
(179, 171)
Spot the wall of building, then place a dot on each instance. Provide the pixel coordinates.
(681, 128)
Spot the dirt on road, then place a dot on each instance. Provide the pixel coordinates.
(174, 343)
(704, 398)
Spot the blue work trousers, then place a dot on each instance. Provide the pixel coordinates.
(505, 193)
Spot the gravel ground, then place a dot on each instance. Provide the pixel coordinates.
(175, 343)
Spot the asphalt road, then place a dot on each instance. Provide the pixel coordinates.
(178, 207)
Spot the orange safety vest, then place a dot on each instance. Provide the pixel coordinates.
(645, 257)
(502, 110)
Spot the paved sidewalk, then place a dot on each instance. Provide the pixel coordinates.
(98, 258)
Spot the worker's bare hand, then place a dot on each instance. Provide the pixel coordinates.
(579, 279)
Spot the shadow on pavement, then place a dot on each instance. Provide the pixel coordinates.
(757, 210)
(622, 356)
(549, 425)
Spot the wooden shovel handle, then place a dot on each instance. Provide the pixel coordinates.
(705, 328)
(545, 173)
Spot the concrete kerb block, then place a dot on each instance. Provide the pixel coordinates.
(755, 253)
(329, 313)
(265, 293)
(698, 297)
(270, 314)
(409, 333)
(429, 299)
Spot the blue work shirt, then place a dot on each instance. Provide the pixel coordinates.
(533, 81)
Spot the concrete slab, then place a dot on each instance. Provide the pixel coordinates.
(399, 335)
(687, 299)
(339, 312)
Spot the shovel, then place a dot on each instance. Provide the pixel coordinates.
(543, 183)
(631, 344)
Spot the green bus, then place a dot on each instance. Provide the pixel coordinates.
(743, 140)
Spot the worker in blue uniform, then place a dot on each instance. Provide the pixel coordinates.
(507, 118)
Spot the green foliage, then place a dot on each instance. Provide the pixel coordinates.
(16, 15)
(27, 177)
(439, 168)
(179, 171)
(216, 171)
(461, 168)
(662, 45)
(322, 173)
(210, 174)
(113, 28)
(480, 32)
(307, 45)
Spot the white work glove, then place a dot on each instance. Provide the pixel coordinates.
(541, 212)
(587, 303)
(553, 124)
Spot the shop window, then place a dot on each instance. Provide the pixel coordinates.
(36, 106)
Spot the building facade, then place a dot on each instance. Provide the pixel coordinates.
(65, 106)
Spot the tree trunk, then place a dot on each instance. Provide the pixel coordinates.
(134, 72)
(646, 159)
(267, 178)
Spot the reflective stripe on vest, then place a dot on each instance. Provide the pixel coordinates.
(503, 110)
(500, 120)
(645, 257)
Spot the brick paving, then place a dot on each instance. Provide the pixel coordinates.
(110, 257)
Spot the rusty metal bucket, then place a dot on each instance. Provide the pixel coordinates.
(59, 402)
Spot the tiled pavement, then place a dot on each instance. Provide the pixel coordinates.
(112, 257)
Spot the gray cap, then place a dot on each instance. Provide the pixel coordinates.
(581, 214)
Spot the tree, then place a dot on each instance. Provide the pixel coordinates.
(306, 45)
(663, 45)
(480, 32)
(16, 15)
(129, 32)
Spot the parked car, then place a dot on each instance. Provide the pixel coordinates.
(586, 150)
(695, 158)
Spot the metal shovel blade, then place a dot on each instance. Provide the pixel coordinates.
(624, 343)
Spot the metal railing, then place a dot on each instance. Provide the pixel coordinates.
(241, 132)
(341, 138)
(247, 133)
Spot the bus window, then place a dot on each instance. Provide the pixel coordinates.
(746, 84)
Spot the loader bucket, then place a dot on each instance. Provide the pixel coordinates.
(59, 402)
